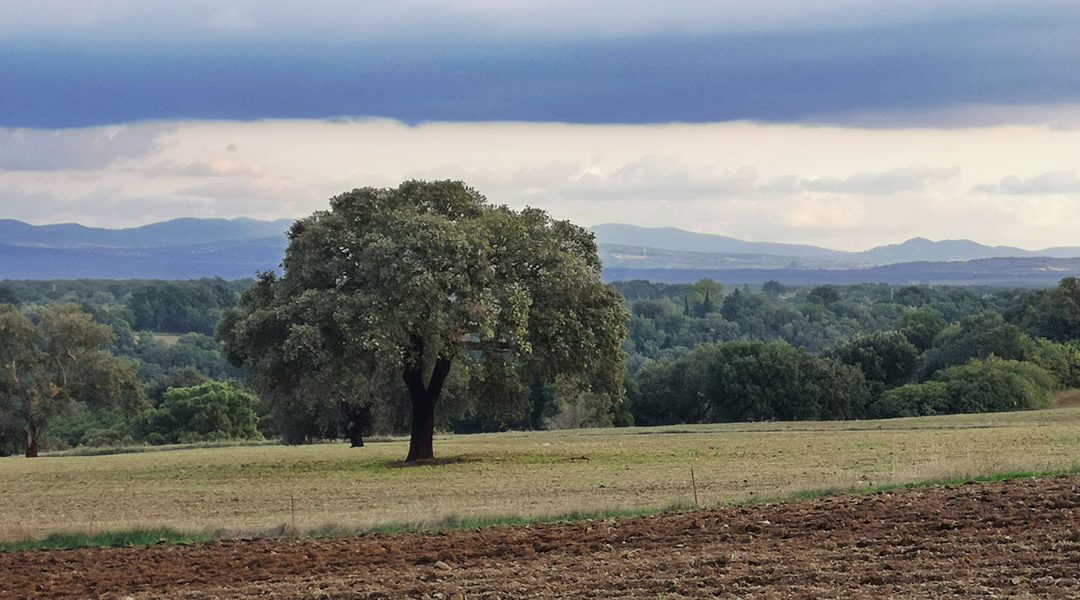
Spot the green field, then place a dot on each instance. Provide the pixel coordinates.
(254, 489)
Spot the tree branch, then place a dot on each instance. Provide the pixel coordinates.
(438, 377)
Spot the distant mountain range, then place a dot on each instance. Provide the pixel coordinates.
(174, 233)
(177, 249)
(240, 248)
(623, 240)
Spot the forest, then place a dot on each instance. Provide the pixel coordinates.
(694, 353)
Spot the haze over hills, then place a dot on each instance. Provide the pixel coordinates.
(915, 249)
(177, 249)
(177, 232)
(239, 248)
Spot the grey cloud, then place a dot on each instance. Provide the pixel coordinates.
(98, 207)
(380, 19)
(661, 178)
(89, 148)
(904, 179)
(1055, 115)
(1052, 182)
(111, 207)
(198, 169)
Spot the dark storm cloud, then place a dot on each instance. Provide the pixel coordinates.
(1004, 58)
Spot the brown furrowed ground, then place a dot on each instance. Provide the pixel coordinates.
(1019, 538)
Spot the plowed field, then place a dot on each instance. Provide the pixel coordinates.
(1017, 539)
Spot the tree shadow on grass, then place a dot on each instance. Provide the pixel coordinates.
(436, 462)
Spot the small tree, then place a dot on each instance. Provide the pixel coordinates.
(422, 279)
(48, 362)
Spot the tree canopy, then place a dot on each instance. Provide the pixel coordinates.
(210, 411)
(421, 280)
(54, 359)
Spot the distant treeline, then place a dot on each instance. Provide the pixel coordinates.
(695, 353)
(698, 353)
(167, 306)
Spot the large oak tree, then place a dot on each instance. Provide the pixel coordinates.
(420, 280)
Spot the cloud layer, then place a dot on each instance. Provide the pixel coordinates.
(884, 64)
(843, 187)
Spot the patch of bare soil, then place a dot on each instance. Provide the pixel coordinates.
(1016, 539)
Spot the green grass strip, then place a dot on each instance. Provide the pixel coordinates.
(129, 538)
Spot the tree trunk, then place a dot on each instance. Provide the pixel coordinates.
(31, 441)
(356, 435)
(422, 433)
(358, 419)
(424, 398)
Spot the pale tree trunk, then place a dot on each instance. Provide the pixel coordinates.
(31, 441)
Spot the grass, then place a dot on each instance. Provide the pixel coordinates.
(106, 450)
(256, 490)
(134, 537)
(169, 339)
(151, 537)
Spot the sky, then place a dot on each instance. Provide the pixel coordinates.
(844, 123)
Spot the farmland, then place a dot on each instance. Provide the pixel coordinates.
(1018, 538)
(256, 489)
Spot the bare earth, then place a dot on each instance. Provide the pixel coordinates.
(1017, 539)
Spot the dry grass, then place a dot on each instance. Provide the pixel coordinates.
(169, 339)
(529, 474)
(1067, 398)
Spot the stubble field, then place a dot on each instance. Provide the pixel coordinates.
(252, 490)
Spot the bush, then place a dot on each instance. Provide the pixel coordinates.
(748, 381)
(996, 384)
(989, 385)
(912, 400)
(208, 412)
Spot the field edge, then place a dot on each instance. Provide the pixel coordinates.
(146, 537)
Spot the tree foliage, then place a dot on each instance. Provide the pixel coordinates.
(748, 381)
(209, 411)
(53, 360)
(1053, 314)
(179, 307)
(921, 327)
(885, 357)
(980, 385)
(421, 280)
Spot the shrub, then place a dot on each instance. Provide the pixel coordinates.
(988, 385)
(748, 381)
(996, 384)
(208, 412)
(912, 400)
